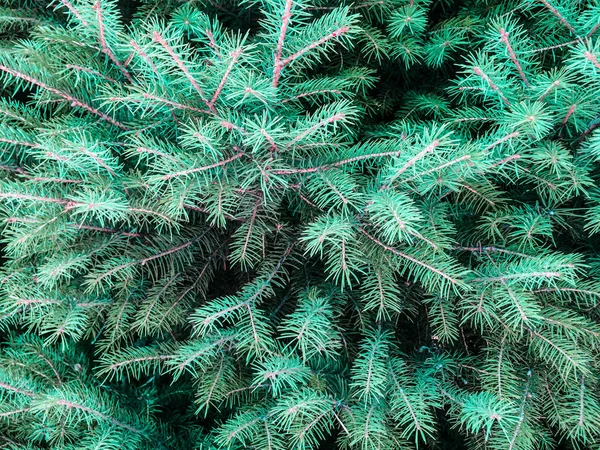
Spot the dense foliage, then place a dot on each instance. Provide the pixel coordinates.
(275, 224)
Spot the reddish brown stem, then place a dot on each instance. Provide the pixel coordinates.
(478, 194)
(105, 48)
(409, 258)
(231, 126)
(513, 57)
(431, 147)
(174, 104)
(336, 164)
(211, 42)
(56, 180)
(90, 71)
(23, 143)
(201, 169)
(71, 405)
(34, 198)
(592, 58)
(234, 57)
(270, 140)
(104, 230)
(158, 38)
(143, 54)
(285, 20)
(318, 125)
(307, 94)
(491, 84)
(74, 12)
(503, 139)
(569, 114)
(74, 101)
(169, 251)
(505, 160)
(559, 16)
(334, 34)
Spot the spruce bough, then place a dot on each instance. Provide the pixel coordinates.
(274, 224)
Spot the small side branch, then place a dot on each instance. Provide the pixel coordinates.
(144, 55)
(105, 48)
(592, 58)
(234, 57)
(71, 8)
(202, 169)
(559, 16)
(285, 20)
(490, 83)
(336, 164)
(334, 34)
(74, 101)
(512, 56)
(161, 40)
(410, 258)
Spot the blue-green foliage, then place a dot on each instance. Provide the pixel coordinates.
(282, 224)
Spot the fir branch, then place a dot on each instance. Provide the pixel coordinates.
(333, 35)
(170, 103)
(513, 57)
(285, 20)
(90, 71)
(72, 9)
(234, 57)
(204, 168)
(559, 16)
(157, 37)
(324, 167)
(479, 72)
(105, 48)
(77, 406)
(410, 258)
(144, 55)
(74, 101)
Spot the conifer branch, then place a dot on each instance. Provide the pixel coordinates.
(144, 55)
(331, 119)
(204, 168)
(14, 412)
(309, 94)
(410, 258)
(479, 72)
(8, 387)
(157, 37)
(478, 194)
(285, 20)
(234, 57)
(172, 103)
(74, 101)
(73, 405)
(90, 71)
(559, 16)
(505, 278)
(172, 250)
(149, 228)
(105, 48)
(513, 57)
(428, 149)
(335, 164)
(71, 8)
(334, 34)
(438, 168)
(592, 58)
(23, 143)
(506, 160)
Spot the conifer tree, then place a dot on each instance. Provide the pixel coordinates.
(290, 224)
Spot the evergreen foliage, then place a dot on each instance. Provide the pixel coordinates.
(283, 224)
